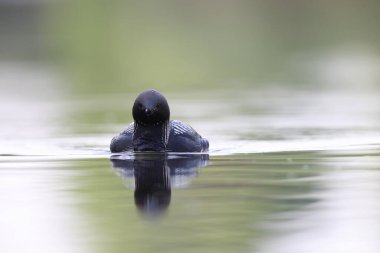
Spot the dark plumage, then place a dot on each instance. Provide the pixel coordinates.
(152, 129)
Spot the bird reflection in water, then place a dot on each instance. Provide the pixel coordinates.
(155, 175)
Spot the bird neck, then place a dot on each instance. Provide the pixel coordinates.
(150, 137)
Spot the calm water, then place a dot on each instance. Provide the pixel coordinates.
(288, 171)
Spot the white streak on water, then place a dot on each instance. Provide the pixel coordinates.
(36, 210)
(35, 215)
(345, 220)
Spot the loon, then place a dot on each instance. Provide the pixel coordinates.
(152, 129)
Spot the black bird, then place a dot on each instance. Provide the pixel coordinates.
(152, 129)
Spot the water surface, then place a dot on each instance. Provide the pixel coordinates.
(288, 171)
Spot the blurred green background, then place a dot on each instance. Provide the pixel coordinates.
(119, 46)
(70, 71)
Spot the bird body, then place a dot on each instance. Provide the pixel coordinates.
(152, 129)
